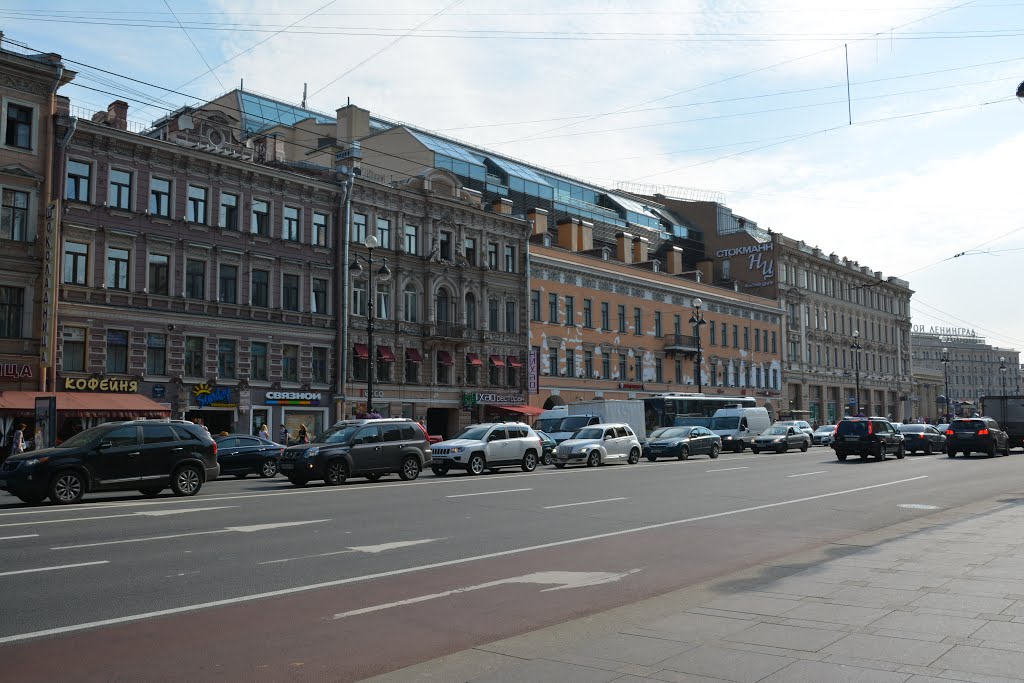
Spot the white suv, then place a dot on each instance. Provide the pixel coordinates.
(488, 446)
(598, 444)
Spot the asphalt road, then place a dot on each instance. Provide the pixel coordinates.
(258, 580)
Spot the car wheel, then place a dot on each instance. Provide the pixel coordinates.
(546, 459)
(336, 473)
(804, 447)
(559, 465)
(714, 452)
(755, 451)
(67, 487)
(899, 452)
(841, 457)
(738, 448)
(269, 469)
(927, 448)
(879, 452)
(410, 469)
(950, 453)
(529, 461)
(966, 453)
(374, 476)
(991, 452)
(595, 459)
(652, 458)
(298, 481)
(439, 471)
(634, 456)
(1006, 448)
(32, 500)
(152, 491)
(684, 453)
(782, 449)
(187, 481)
(476, 464)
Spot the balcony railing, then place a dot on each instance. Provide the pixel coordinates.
(444, 329)
(685, 343)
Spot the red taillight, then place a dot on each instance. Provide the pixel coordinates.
(982, 432)
(215, 448)
(871, 429)
(920, 436)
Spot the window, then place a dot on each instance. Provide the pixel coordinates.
(511, 380)
(774, 339)
(384, 233)
(736, 336)
(657, 324)
(160, 197)
(535, 305)
(510, 259)
(606, 363)
(605, 324)
(726, 269)
(638, 323)
(384, 366)
(679, 372)
(119, 192)
(411, 239)
(117, 268)
(78, 181)
(193, 356)
(492, 256)
(412, 366)
(19, 126)
(229, 211)
(570, 362)
(76, 258)
(259, 222)
(117, 351)
(442, 368)
(570, 311)
(320, 229)
(290, 292)
(588, 313)
(195, 279)
(195, 209)
(358, 234)
(495, 374)
(588, 363)
(553, 360)
(12, 308)
(623, 375)
(226, 358)
(713, 335)
(553, 308)
(227, 285)
(725, 334)
(319, 302)
(359, 298)
(638, 368)
(658, 370)
(14, 216)
(472, 373)
(746, 337)
(159, 272)
(492, 315)
(258, 361)
(321, 365)
(290, 363)
(510, 316)
(622, 318)
(73, 359)
(383, 303)
(445, 245)
(290, 224)
(470, 311)
(260, 288)
(410, 304)
(156, 354)
(470, 248)
(757, 340)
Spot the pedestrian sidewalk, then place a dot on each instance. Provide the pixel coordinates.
(936, 599)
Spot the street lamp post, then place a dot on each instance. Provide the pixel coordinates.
(856, 347)
(382, 275)
(1002, 385)
(945, 375)
(697, 320)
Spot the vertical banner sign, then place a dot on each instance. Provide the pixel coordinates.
(49, 294)
(45, 434)
(534, 364)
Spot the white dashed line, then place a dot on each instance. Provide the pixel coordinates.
(486, 493)
(805, 474)
(729, 469)
(588, 502)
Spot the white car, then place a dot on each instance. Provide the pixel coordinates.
(598, 444)
(489, 446)
(820, 434)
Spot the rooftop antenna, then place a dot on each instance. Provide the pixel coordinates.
(305, 86)
(241, 84)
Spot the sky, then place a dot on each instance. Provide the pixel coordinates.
(915, 170)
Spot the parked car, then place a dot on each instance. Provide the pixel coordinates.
(597, 444)
(922, 437)
(681, 443)
(867, 436)
(739, 426)
(144, 455)
(490, 446)
(367, 448)
(548, 444)
(780, 437)
(801, 425)
(822, 432)
(976, 435)
(242, 455)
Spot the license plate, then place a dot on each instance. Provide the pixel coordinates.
(287, 466)
(852, 438)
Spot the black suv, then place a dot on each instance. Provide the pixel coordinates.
(977, 435)
(359, 448)
(145, 455)
(867, 436)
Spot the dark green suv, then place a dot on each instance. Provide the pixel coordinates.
(867, 436)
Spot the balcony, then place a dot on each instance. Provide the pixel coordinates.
(443, 329)
(681, 343)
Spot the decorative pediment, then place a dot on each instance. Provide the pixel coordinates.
(19, 171)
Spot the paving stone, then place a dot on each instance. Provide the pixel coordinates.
(888, 649)
(1015, 608)
(908, 580)
(728, 664)
(984, 587)
(583, 660)
(802, 587)
(913, 635)
(697, 627)
(821, 672)
(862, 663)
(874, 597)
(983, 660)
(829, 573)
(548, 670)
(1000, 630)
(929, 623)
(679, 677)
(789, 637)
(752, 603)
(963, 603)
(837, 614)
(631, 649)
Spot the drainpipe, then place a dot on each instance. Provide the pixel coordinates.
(48, 371)
(342, 303)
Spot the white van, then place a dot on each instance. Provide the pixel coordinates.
(739, 426)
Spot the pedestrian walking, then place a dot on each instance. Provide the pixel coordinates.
(265, 432)
(303, 436)
(282, 436)
(19, 440)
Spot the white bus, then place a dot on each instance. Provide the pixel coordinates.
(670, 410)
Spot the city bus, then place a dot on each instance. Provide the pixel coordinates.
(674, 409)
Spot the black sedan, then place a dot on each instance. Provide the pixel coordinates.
(922, 437)
(242, 455)
(548, 445)
(681, 443)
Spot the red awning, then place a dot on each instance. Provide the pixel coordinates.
(473, 359)
(362, 351)
(386, 354)
(413, 356)
(523, 410)
(513, 362)
(85, 404)
(497, 361)
(444, 358)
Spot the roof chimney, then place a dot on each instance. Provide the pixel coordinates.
(353, 123)
(502, 205)
(539, 220)
(568, 234)
(674, 260)
(624, 247)
(586, 235)
(641, 249)
(117, 115)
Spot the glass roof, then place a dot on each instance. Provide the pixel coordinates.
(634, 206)
(447, 148)
(260, 113)
(518, 170)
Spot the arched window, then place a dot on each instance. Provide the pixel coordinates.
(443, 306)
(411, 304)
(471, 311)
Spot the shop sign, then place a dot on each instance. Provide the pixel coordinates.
(244, 398)
(15, 371)
(159, 391)
(213, 397)
(533, 371)
(470, 399)
(631, 385)
(48, 311)
(100, 384)
(293, 398)
(377, 393)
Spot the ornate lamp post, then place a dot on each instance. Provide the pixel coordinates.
(856, 347)
(697, 320)
(945, 374)
(382, 275)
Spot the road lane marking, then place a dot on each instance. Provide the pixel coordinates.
(561, 580)
(806, 474)
(425, 567)
(307, 557)
(371, 549)
(154, 513)
(486, 493)
(729, 469)
(11, 538)
(226, 530)
(918, 506)
(59, 566)
(586, 502)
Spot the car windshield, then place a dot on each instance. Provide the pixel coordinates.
(338, 434)
(911, 428)
(853, 427)
(548, 424)
(725, 422)
(589, 433)
(473, 433)
(571, 424)
(776, 430)
(670, 433)
(823, 429)
(82, 438)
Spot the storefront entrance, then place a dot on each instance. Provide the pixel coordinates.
(440, 421)
(216, 421)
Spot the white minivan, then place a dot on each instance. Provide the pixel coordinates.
(739, 426)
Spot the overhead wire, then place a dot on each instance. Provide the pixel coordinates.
(198, 51)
